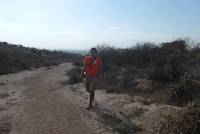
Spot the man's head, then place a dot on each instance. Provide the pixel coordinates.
(93, 52)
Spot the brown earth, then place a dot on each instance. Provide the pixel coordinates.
(39, 102)
(42, 107)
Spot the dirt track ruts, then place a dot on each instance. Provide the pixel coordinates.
(45, 110)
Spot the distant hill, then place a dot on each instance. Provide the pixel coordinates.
(14, 58)
(82, 52)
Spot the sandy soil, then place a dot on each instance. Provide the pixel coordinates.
(39, 102)
(39, 106)
(122, 113)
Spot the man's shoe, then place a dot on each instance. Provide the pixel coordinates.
(89, 107)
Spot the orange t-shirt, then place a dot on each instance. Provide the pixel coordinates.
(94, 68)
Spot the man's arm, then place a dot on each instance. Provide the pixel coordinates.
(82, 72)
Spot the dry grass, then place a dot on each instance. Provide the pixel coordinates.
(74, 75)
(185, 121)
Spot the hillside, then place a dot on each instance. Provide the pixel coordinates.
(160, 80)
(14, 58)
(146, 89)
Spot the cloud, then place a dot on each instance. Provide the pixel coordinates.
(112, 28)
(83, 26)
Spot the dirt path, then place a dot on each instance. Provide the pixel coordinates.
(38, 102)
(44, 109)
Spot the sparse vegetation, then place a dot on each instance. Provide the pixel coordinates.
(170, 62)
(185, 121)
(167, 73)
(14, 58)
(140, 55)
(73, 75)
(166, 63)
(173, 68)
(169, 70)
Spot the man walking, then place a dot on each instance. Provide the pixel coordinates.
(92, 70)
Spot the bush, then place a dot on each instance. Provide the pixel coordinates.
(139, 55)
(185, 121)
(170, 61)
(74, 75)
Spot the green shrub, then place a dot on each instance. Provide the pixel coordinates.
(140, 55)
(170, 61)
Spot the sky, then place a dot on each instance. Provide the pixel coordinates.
(81, 24)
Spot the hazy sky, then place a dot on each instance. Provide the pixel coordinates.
(80, 24)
